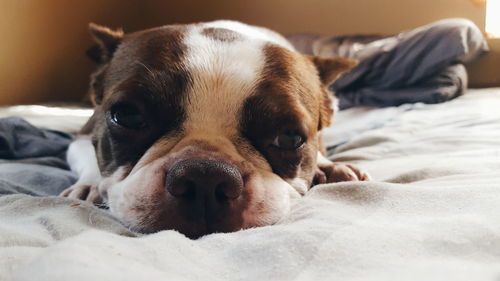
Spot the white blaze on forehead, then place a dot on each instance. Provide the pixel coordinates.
(224, 74)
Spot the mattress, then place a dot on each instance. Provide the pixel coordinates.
(431, 212)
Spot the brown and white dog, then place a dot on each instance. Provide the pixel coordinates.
(202, 128)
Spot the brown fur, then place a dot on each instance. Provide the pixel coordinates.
(154, 82)
(149, 71)
(293, 94)
(329, 70)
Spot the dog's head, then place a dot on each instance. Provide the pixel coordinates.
(206, 127)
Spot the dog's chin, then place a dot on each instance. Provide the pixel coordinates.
(168, 216)
(191, 231)
(151, 221)
(141, 201)
(155, 219)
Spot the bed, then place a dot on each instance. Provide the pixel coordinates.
(432, 211)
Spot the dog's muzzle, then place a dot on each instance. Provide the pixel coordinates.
(207, 190)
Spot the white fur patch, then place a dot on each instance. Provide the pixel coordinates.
(224, 75)
(271, 200)
(82, 160)
(300, 185)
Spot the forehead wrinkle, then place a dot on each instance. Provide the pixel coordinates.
(139, 88)
(165, 85)
(223, 75)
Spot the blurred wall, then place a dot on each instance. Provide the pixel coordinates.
(43, 42)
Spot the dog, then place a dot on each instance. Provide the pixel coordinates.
(203, 128)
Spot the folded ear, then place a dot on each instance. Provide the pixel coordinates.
(107, 41)
(330, 69)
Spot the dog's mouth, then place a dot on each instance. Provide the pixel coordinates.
(194, 196)
(200, 195)
(192, 227)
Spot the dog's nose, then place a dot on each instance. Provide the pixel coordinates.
(204, 184)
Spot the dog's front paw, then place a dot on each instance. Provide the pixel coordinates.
(86, 192)
(335, 172)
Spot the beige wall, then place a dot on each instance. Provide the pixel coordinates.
(43, 42)
(330, 16)
(485, 72)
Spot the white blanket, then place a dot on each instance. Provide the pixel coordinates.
(432, 212)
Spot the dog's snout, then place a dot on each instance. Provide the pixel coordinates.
(205, 185)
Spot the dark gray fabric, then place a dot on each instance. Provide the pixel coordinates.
(19, 139)
(442, 86)
(421, 65)
(32, 159)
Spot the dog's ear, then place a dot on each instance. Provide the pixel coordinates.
(329, 69)
(107, 41)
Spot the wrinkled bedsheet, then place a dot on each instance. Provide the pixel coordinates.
(32, 160)
(432, 212)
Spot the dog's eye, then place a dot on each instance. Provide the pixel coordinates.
(289, 140)
(127, 116)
